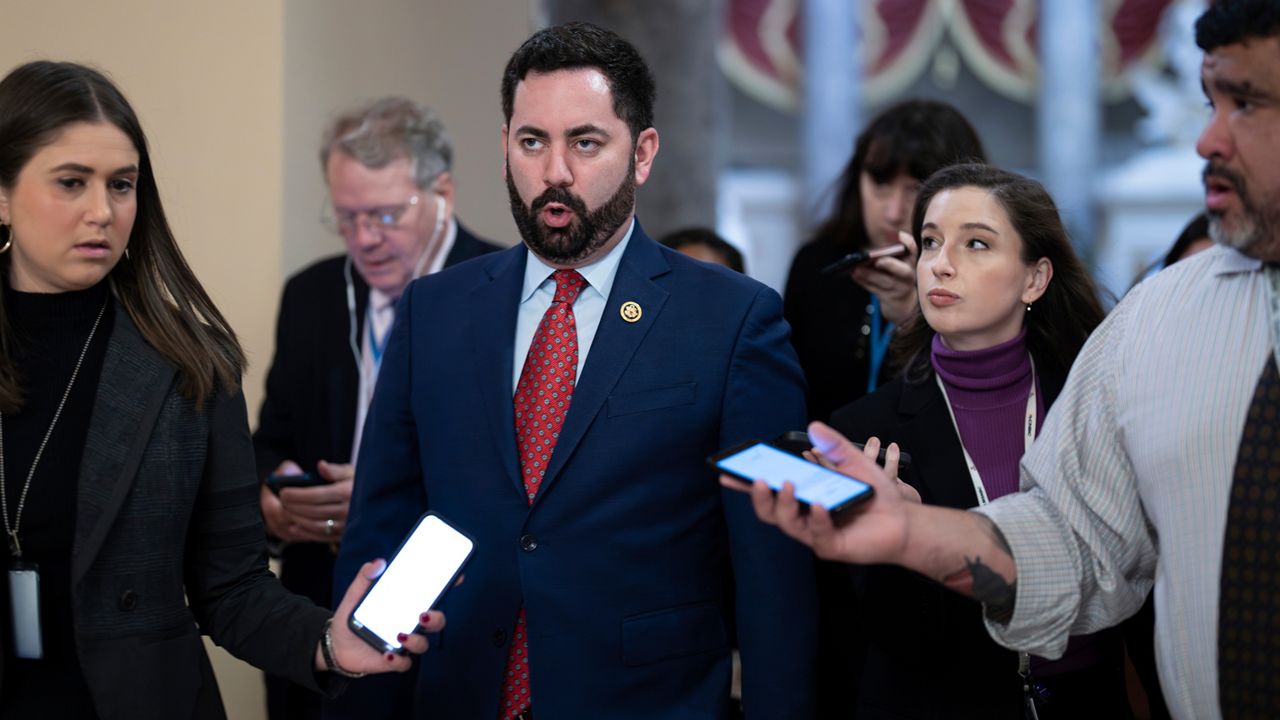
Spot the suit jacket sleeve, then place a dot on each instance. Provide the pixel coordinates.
(774, 581)
(388, 497)
(234, 597)
(273, 440)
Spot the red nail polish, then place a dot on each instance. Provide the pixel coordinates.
(391, 657)
(425, 617)
(401, 638)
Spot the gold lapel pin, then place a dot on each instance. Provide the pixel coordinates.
(630, 311)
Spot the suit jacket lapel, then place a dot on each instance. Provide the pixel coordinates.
(132, 389)
(493, 306)
(936, 453)
(615, 343)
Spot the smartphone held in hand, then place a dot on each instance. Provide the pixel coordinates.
(426, 565)
(815, 484)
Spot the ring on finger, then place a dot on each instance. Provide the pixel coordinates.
(328, 526)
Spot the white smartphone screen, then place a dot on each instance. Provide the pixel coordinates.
(416, 577)
(815, 484)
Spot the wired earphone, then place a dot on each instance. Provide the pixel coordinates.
(351, 287)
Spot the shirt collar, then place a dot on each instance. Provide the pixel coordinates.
(1227, 261)
(599, 274)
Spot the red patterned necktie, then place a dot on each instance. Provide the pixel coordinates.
(541, 402)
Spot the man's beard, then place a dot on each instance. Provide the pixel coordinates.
(586, 233)
(1253, 228)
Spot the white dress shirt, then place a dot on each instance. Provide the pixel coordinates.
(1129, 482)
(380, 314)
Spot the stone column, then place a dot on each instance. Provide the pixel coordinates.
(678, 39)
(1069, 116)
(829, 120)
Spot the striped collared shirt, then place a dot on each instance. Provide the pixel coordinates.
(1129, 482)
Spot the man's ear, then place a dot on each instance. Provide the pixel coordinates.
(443, 186)
(645, 151)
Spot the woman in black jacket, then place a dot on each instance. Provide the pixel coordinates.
(1005, 306)
(127, 480)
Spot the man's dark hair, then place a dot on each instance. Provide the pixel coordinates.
(1227, 22)
(583, 45)
(916, 138)
(707, 238)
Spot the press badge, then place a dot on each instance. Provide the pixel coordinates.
(24, 606)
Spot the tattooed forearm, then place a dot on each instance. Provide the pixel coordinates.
(985, 584)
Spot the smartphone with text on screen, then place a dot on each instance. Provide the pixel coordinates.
(417, 576)
(815, 484)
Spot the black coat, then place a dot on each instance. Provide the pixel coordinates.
(830, 320)
(309, 411)
(166, 506)
(927, 651)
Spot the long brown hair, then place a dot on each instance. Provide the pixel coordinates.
(1061, 320)
(153, 283)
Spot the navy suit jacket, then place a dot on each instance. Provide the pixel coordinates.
(631, 555)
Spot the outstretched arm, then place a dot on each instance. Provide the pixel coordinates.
(963, 550)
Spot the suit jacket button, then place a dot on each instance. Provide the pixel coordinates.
(499, 638)
(529, 542)
(128, 600)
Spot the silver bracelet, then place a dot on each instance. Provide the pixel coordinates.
(326, 649)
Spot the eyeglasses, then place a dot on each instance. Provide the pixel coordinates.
(378, 219)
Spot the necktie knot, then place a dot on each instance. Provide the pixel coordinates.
(568, 284)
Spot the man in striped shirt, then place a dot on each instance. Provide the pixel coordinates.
(1140, 476)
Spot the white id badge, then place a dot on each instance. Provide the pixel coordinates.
(24, 604)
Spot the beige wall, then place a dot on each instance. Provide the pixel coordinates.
(233, 96)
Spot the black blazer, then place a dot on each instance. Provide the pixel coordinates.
(827, 314)
(309, 411)
(928, 654)
(167, 504)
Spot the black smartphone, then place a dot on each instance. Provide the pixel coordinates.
(424, 566)
(815, 485)
(796, 442)
(858, 257)
(276, 483)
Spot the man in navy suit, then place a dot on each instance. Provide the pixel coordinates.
(558, 401)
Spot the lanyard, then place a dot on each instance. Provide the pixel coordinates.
(881, 331)
(1029, 432)
(375, 347)
(1029, 436)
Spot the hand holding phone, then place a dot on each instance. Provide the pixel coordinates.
(815, 484)
(276, 483)
(342, 650)
(858, 257)
(417, 576)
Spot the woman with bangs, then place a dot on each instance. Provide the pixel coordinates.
(841, 324)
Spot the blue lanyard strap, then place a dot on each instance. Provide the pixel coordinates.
(881, 331)
(375, 347)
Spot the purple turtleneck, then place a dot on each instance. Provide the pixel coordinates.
(988, 390)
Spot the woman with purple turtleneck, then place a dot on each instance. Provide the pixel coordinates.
(1005, 305)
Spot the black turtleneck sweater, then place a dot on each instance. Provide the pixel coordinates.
(49, 332)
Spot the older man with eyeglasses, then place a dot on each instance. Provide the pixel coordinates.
(391, 200)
